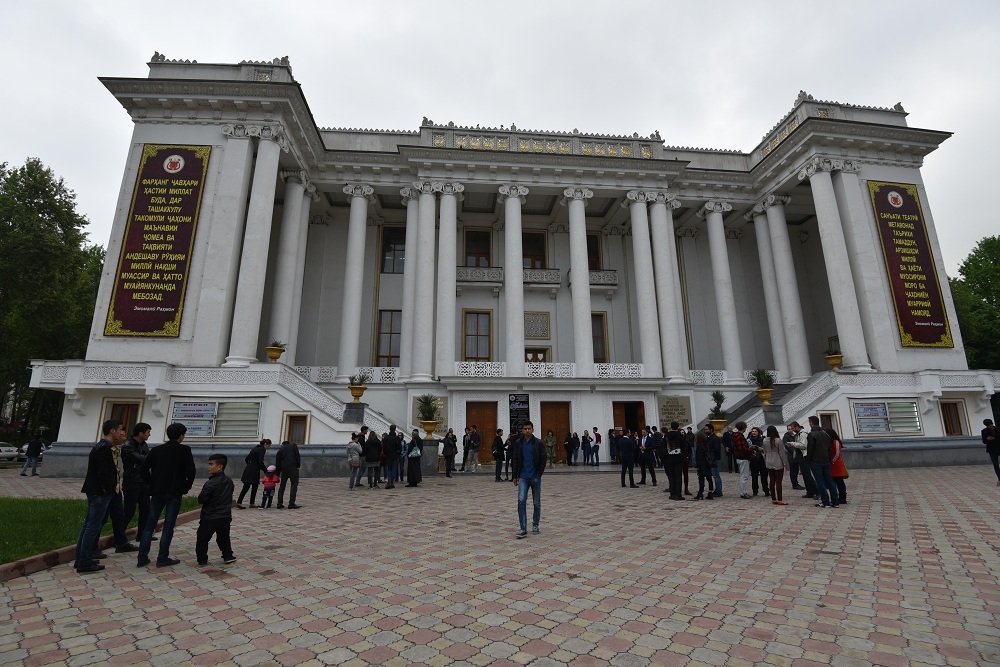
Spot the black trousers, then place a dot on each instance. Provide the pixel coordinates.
(116, 513)
(674, 465)
(286, 475)
(807, 477)
(207, 528)
(630, 467)
(758, 471)
(701, 483)
(647, 461)
(253, 493)
(793, 468)
(135, 494)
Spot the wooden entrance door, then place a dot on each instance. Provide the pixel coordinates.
(629, 414)
(555, 416)
(484, 416)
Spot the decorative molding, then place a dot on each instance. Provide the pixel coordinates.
(688, 232)
(734, 234)
(962, 381)
(454, 189)
(603, 277)
(112, 373)
(221, 376)
(54, 373)
(542, 276)
(275, 133)
(426, 187)
(379, 374)
(492, 369)
(818, 164)
(549, 370)
(375, 221)
(536, 325)
(665, 197)
(615, 371)
(638, 196)
(558, 228)
(479, 274)
(323, 220)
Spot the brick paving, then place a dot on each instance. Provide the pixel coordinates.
(908, 573)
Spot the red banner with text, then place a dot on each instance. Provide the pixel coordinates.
(148, 296)
(920, 312)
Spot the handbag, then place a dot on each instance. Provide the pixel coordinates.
(414, 453)
(356, 462)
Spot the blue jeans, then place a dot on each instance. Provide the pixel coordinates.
(355, 476)
(30, 461)
(390, 471)
(824, 483)
(522, 501)
(157, 503)
(97, 510)
(718, 478)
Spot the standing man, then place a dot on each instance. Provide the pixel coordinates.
(528, 463)
(31, 456)
(499, 449)
(727, 444)
(675, 461)
(392, 447)
(626, 454)
(466, 444)
(801, 443)
(647, 457)
(613, 436)
(741, 450)
(475, 442)
(135, 492)
(715, 448)
(818, 445)
(100, 485)
(288, 463)
(169, 472)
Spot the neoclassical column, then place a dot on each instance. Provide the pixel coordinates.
(645, 290)
(309, 196)
(423, 302)
(667, 278)
(256, 240)
(725, 302)
(583, 328)
(410, 197)
(772, 303)
(451, 194)
(359, 195)
(513, 197)
(286, 266)
(838, 263)
(799, 367)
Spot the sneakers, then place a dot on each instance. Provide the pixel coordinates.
(534, 530)
(521, 533)
(230, 560)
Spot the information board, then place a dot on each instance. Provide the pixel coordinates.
(519, 412)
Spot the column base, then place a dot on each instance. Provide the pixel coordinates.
(857, 368)
(239, 362)
(421, 377)
(677, 379)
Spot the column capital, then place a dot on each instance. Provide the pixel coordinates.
(408, 194)
(637, 197)
(769, 200)
(311, 193)
(359, 190)
(613, 229)
(375, 221)
(426, 187)
(818, 164)
(582, 194)
(734, 234)
(665, 197)
(513, 190)
(452, 189)
(688, 232)
(558, 228)
(323, 220)
(714, 206)
(274, 133)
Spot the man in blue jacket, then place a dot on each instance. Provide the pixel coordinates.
(527, 462)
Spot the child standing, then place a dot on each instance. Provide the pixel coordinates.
(216, 500)
(271, 480)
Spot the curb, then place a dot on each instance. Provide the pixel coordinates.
(39, 562)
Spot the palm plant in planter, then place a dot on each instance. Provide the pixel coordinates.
(275, 349)
(717, 416)
(356, 385)
(834, 357)
(427, 410)
(765, 384)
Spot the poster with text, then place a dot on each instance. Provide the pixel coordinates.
(152, 271)
(916, 293)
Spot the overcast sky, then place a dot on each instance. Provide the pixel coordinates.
(705, 74)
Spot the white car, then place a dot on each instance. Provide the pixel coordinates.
(8, 451)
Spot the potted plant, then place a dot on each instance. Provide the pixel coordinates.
(717, 416)
(275, 349)
(356, 385)
(833, 357)
(765, 384)
(427, 409)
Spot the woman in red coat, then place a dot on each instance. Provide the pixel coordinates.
(837, 468)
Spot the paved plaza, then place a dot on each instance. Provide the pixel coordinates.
(905, 574)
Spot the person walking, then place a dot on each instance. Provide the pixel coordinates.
(31, 455)
(775, 460)
(169, 471)
(288, 461)
(251, 473)
(528, 465)
(100, 485)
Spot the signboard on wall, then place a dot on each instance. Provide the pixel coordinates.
(674, 409)
(148, 295)
(916, 293)
(519, 412)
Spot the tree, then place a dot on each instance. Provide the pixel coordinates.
(977, 303)
(48, 286)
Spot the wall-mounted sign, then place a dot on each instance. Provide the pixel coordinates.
(519, 412)
(674, 409)
(920, 313)
(148, 296)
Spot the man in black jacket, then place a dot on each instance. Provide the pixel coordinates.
(101, 485)
(216, 500)
(169, 471)
(626, 456)
(135, 492)
(34, 450)
(527, 462)
(391, 448)
(288, 462)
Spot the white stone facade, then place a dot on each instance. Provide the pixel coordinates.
(708, 263)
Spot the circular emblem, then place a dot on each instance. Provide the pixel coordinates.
(173, 164)
(895, 199)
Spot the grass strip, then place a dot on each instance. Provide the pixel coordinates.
(30, 526)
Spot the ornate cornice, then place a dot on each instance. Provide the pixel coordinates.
(714, 206)
(275, 133)
(513, 190)
(359, 190)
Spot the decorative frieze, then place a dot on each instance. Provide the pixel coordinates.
(536, 325)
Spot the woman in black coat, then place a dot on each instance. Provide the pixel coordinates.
(413, 474)
(251, 474)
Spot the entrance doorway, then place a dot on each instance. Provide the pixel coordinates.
(484, 416)
(555, 416)
(127, 412)
(295, 428)
(629, 414)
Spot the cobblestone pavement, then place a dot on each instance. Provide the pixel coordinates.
(906, 574)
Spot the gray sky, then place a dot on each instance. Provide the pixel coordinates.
(706, 74)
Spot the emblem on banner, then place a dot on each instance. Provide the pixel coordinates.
(175, 163)
(895, 199)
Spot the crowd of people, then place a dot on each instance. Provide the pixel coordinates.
(389, 458)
